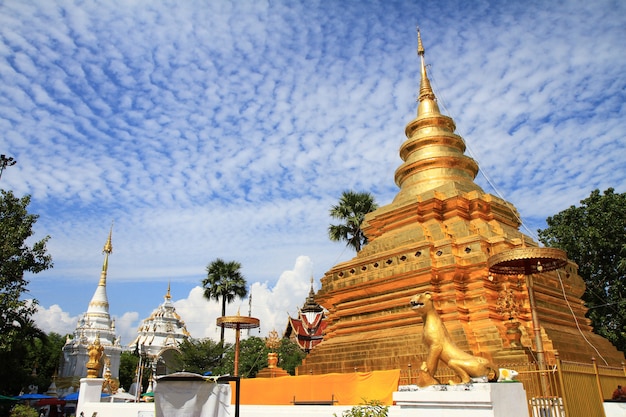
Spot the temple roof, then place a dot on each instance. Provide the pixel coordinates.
(310, 306)
(308, 328)
(163, 329)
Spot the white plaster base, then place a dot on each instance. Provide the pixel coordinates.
(89, 403)
(472, 400)
(615, 409)
(90, 390)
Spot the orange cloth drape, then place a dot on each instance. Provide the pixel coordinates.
(346, 389)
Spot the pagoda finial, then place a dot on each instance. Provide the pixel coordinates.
(420, 46)
(168, 296)
(108, 246)
(310, 305)
(107, 250)
(426, 91)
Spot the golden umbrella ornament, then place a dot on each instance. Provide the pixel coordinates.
(528, 261)
(237, 322)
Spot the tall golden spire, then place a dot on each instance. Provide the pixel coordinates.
(426, 91)
(433, 154)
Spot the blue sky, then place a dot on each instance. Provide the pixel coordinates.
(209, 129)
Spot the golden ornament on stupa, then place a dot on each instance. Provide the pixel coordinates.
(529, 261)
(272, 341)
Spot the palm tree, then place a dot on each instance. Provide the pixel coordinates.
(351, 209)
(224, 281)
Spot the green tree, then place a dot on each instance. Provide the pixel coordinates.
(128, 369)
(201, 355)
(45, 351)
(17, 258)
(372, 408)
(20, 366)
(252, 357)
(351, 210)
(594, 236)
(224, 282)
(290, 355)
(23, 410)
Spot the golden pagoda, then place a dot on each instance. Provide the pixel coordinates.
(437, 235)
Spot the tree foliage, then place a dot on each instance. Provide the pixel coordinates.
(32, 362)
(128, 369)
(252, 357)
(20, 366)
(224, 282)
(290, 355)
(371, 408)
(594, 236)
(351, 210)
(19, 337)
(200, 356)
(46, 353)
(16, 258)
(23, 410)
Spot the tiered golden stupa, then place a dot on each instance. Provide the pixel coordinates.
(437, 235)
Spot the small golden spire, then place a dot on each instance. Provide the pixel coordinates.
(168, 296)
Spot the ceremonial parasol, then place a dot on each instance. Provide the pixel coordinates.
(528, 261)
(237, 322)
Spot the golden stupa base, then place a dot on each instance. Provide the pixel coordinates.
(272, 370)
(272, 373)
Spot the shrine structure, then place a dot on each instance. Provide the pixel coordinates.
(308, 328)
(437, 235)
(160, 335)
(95, 324)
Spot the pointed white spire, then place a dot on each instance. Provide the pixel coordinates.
(98, 310)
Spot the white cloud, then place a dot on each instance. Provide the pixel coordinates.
(54, 319)
(126, 326)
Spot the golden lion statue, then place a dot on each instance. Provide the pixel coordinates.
(441, 347)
